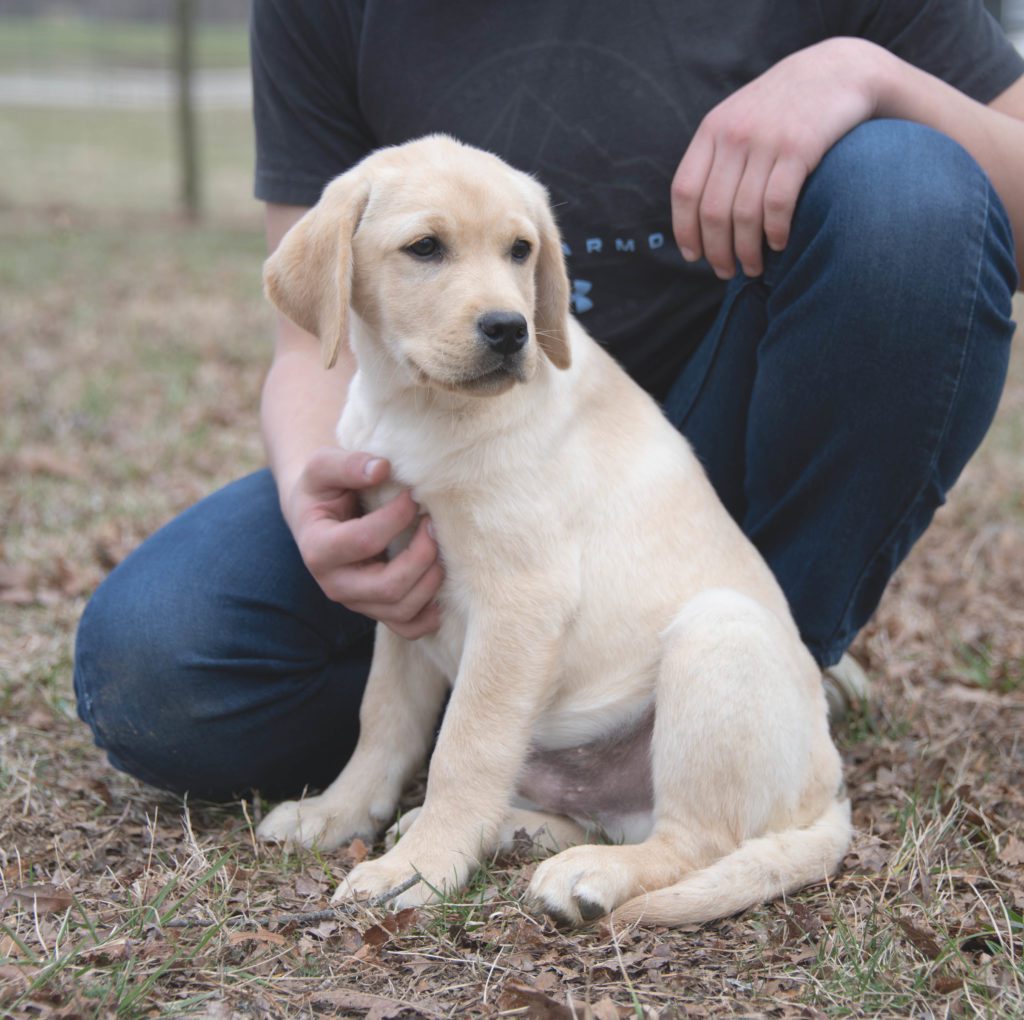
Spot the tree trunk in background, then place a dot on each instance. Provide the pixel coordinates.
(188, 145)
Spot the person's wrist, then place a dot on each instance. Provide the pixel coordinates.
(861, 66)
(880, 74)
(287, 492)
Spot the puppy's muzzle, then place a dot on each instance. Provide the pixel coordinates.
(505, 333)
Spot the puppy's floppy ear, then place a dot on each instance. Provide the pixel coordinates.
(309, 275)
(551, 316)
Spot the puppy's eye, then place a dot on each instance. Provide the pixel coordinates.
(425, 247)
(520, 251)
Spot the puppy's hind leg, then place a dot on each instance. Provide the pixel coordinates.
(737, 750)
(754, 799)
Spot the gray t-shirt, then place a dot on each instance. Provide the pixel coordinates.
(598, 99)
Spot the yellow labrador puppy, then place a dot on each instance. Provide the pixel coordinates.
(622, 663)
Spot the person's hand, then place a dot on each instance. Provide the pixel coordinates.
(343, 549)
(740, 178)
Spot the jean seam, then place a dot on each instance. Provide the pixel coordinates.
(719, 340)
(841, 635)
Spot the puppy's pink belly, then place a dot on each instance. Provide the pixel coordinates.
(605, 779)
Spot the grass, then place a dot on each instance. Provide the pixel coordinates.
(117, 161)
(120, 161)
(70, 42)
(134, 349)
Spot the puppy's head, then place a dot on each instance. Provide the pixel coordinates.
(451, 258)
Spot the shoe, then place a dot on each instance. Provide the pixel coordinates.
(847, 689)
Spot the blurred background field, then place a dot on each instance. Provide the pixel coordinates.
(88, 113)
(133, 342)
(56, 38)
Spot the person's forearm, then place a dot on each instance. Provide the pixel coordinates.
(300, 407)
(301, 400)
(995, 140)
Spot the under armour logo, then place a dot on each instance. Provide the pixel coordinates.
(579, 301)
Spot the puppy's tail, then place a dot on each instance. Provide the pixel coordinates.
(758, 870)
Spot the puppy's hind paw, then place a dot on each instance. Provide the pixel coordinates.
(579, 886)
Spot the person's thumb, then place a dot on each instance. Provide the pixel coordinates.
(332, 470)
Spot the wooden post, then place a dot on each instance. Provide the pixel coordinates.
(188, 145)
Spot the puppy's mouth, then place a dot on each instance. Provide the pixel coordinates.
(491, 377)
(503, 375)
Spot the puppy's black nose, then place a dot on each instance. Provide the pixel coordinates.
(504, 332)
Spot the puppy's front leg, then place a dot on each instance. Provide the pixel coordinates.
(501, 685)
(396, 719)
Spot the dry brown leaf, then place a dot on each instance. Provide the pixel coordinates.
(40, 898)
(1012, 851)
(801, 921)
(379, 1007)
(307, 887)
(869, 857)
(619, 964)
(605, 1009)
(40, 719)
(108, 952)
(376, 936)
(324, 930)
(16, 581)
(943, 984)
(356, 852)
(16, 976)
(921, 939)
(41, 460)
(538, 1006)
(393, 924)
(545, 981)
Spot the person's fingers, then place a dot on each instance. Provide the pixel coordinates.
(427, 622)
(781, 192)
(329, 544)
(369, 536)
(716, 209)
(748, 215)
(413, 577)
(411, 611)
(411, 606)
(371, 588)
(332, 470)
(687, 189)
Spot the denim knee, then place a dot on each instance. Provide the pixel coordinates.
(210, 662)
(116, 661)
(176, 699)
(904, 232)
(897, 197)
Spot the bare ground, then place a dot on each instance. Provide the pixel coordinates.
(132, 356)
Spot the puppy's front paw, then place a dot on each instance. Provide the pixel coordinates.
(315, 821)
(436, 873)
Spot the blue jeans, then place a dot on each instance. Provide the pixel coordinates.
(833, 403)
